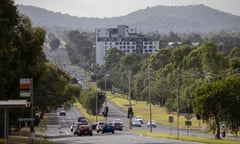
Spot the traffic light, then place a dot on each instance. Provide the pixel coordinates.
(130, 112)
(104, 114)
(106, 110)
(198, 116)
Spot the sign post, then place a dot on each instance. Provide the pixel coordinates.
(170, 120)
(26, 90)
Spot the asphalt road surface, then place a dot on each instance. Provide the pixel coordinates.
(58, 131)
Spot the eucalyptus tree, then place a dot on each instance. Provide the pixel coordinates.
(217, 101)
(161, 58)
(21, 53)
(112, 58)
(51, 92)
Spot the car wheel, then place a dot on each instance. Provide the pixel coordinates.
(97, 131)
(102, 132)
(112, 132)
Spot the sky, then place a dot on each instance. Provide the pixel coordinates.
(113, 8)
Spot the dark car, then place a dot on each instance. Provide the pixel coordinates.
(118, 126)
(108, 127)
(94, 126)
(62, 113)
(84, 130)
(81, 118)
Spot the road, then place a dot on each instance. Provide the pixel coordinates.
(58, 131)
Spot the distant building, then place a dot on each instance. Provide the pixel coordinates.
(125, 39)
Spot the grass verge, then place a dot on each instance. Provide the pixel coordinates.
(188, 138)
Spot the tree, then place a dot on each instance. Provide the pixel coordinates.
(216, 102)
(178, 54)
(205, 58)
(54, 43)
(160, 59)
(112, 58)
(52, 85)
(21, 54)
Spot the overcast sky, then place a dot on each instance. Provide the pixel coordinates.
(112, 8)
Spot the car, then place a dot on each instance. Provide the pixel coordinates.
(81, 118)
(153, 123)
(118, 125)
(117, 120)
(94, 126)
(136, 123)
(139, 118)
(84, 130)
(74, 127)
(62, 113)
(83, 122)
(99, 126)
(108, 127)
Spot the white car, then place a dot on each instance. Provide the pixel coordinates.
(139, 118)
(136, 123)
(153, 124)
(117, 121)
(99, 126)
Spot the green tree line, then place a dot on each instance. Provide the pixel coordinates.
(21, 56)
(194, 74)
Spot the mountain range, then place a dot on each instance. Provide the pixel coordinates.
(160, 19)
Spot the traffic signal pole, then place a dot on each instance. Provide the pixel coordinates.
(130, 111)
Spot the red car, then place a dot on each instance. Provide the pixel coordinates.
(84, 130)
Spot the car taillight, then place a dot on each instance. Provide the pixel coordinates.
(90, 129)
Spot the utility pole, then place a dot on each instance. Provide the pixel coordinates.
(178, 100)
(149, 95)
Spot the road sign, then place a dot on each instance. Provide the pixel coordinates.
(25, 87)
(170, 119)
(188, 123)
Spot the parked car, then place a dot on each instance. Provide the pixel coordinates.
(136, 123)
(99, 126)
(62, 113)
(84, 130)
(108, 127)
(153, 124)
(139, 118)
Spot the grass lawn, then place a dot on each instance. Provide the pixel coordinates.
(159, 114)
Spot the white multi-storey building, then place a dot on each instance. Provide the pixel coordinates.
(123, 38)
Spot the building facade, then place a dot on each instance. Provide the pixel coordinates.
(123, 38)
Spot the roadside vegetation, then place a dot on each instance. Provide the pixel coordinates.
(188, 138)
